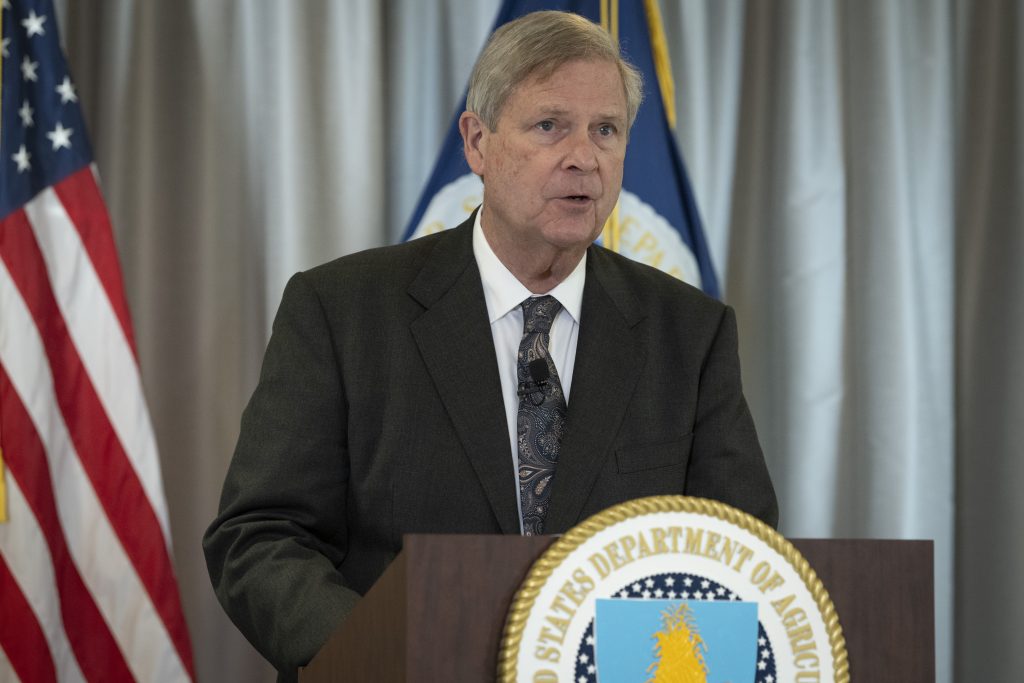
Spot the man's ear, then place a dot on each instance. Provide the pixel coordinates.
(474, 141)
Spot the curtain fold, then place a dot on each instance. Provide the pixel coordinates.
(858, 167)
(990, 306)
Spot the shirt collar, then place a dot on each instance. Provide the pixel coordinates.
(503, 292)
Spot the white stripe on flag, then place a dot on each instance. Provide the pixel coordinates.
(24, 549)
(104, 566)
(100, 342)
(7, 674)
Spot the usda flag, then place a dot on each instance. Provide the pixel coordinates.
(656, 220)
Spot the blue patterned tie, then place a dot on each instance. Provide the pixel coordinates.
(542, 410)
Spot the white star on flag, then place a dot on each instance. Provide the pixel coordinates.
(6, 42)
(21, 158)
(60, 137)
(26, 114)
(67, 91)
(28, 69)
(33, 24)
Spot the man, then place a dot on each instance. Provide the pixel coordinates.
(427, 387)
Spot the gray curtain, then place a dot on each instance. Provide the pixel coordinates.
(858, 166)
(989, 299)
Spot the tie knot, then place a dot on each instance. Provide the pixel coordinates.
(539, 312)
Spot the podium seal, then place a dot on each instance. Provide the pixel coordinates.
(672, 588)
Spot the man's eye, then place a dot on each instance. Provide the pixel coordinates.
(606, 130)
(546, 126)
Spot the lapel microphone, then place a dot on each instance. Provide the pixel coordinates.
(539, 373)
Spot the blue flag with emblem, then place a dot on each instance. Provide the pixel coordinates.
(656, 219)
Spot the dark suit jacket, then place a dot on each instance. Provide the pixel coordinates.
(379, 413)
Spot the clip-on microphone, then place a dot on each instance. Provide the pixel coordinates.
(539, 373)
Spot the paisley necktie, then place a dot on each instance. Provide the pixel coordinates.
(542, 410)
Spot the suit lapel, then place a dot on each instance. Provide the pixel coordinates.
(609, 358)
(454, 338)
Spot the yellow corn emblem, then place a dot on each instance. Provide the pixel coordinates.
(679, 649)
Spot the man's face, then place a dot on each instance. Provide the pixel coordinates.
(552, 168)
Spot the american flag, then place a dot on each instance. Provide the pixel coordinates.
(87, 590)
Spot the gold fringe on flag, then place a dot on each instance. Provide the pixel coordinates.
(611, 234)
(1, 133)
(610, 18)
(3, 481)
(662, 61)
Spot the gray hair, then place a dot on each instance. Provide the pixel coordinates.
(535, 46)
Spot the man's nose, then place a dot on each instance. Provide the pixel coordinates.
(581, 154)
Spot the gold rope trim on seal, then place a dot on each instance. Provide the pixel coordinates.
(542, 569)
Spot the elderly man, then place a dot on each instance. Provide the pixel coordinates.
(506, 376)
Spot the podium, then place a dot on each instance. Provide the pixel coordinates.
(438, 611)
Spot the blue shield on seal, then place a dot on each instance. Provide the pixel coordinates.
(675, 640)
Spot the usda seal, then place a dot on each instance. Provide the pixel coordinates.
(672, 588)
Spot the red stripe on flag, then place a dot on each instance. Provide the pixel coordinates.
(82, 200)
(20, 634)
(98, 654)
(102, 455)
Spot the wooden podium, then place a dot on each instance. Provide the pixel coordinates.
(438, 611)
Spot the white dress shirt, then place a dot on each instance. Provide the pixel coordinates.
(503, 294)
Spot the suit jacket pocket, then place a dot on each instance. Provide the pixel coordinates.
(654, 456)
